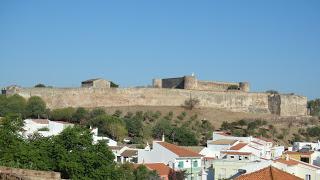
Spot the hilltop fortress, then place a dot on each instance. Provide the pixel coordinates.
(169, 92)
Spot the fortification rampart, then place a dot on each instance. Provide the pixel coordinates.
(192, 83)
(237, 101)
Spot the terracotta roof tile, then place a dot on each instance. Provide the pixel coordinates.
(223, 142)
(129, 153)
(236, 153)
(292, 162)
(238, 146)
(268, 173)
(289, 162)
(161, 168)
(180, 151)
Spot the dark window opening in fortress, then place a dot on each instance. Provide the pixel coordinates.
(173, 83)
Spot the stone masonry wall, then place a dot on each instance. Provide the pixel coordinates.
(94, 97)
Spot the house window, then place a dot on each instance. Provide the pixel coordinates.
(308, 177)
(246, 158)
(240, 157)
(231, 157)
(195, 163)
(180, 165)
(304, 159)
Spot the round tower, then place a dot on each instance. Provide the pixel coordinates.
(190, 82)
(244, 86)
(157, 83)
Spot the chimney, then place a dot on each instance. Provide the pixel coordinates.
(162, 137)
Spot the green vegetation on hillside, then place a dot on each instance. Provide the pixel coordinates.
(72, 153)
(140, 127)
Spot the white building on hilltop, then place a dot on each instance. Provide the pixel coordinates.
(48, 128)
(260, 147)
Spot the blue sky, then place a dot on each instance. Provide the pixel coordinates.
(273, 44)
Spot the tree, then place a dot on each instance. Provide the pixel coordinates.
(63, 114)
(36, 107)
(3, 105)
(40, 85)
(15, 104)
(184, 137)
(162, 127)
(191, 103)
(97, 112)
(111, 126)
(142, 173)
(81, 114)
(134, 126)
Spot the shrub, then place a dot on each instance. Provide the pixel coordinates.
(191, 103)
(40, 85)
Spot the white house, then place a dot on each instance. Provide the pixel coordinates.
(298, 168)
(297, 146)
(174, 156)
(44, 127)
(48, 128)
(260, 147)
(232, 164)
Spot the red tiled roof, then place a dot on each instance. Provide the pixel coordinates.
(180, 151)
(292, 162)
(41, 121)
(236, 153)
(161, 168)
(256, 142)
(268, 173)
(238, 146)
(289, 162)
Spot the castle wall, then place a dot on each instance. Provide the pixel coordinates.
(293, 105)
(214, 86)
(236, 101)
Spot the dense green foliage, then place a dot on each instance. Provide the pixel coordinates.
(72, 153)
(139, 126)
(36, 107)
(12, 105)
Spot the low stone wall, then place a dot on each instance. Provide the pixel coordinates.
(26, 174)
(237, 101)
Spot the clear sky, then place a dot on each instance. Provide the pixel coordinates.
(273, 44)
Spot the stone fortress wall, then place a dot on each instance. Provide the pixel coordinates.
(234, 100)
(192, 83)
